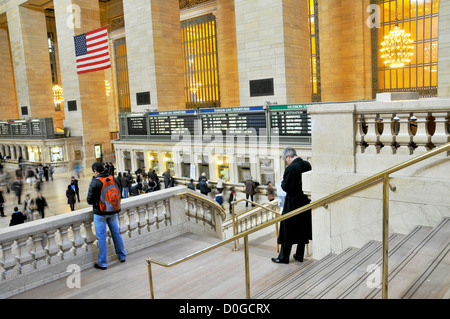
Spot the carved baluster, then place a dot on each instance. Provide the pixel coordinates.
(8, 261)
(65, 245)
(90, 237)
(404, 136)
(39, 254)
(441, 134)
(24, 257)
(52, 247)
(167, 214)
(387, 135)
(123, 227)
(371, 137)
(132, 223)
(359, 138)
(421, 138)
(159, 214)
(151, 216)
(78, 240)
(142, 222)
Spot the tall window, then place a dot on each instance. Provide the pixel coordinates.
(420, 19)
(200, 62)
(315, 50)
(120, 47)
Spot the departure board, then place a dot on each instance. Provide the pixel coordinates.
(235, 121)
(20, 128)
(4, 129)
(290, 120)
(172, 122)
(137, 124)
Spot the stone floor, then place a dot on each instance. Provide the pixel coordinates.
(55, 194)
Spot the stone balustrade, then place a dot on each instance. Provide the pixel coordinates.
(404, 128)
(41, 251)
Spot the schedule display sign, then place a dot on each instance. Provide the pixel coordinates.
(236, 121)
(137, 125)
(290, 120)
(172, 122)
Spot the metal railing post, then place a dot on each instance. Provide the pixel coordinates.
(247, 268)
(385, 271)
(150, 280)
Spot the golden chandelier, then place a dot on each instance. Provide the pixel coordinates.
(397, 48)
(58, 96)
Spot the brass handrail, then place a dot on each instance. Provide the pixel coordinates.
(206, 199)
(384, 176)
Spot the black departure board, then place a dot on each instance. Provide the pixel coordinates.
(137, 124)
(5, 129)
(36, 128)
(290, 120)
(235, 121)
(172, 122)
(20, 128)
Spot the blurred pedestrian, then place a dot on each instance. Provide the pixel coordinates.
(70, 194)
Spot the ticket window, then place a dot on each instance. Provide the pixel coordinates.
(267, 171)
(244, 172)
(56, 154)
(153, 161)
(34, 154)
(223, 168)
(169, 163)
(185, 165)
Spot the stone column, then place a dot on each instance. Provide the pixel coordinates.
(29, 48)
(345, 50)
(273, 43)
(88, 89)
(154, 53)
(444, 49)
(8, 107)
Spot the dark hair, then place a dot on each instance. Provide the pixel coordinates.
(16, 209)
(98, 166)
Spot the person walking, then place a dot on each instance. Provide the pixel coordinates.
(250, 190)
(74, 184)
(70, 194)
(2, 203)
(220, 184)
(297, 229)
(17, 217)
(41, 203)
(270, 192)
(28, 207)
(105, 216)
(232, 198)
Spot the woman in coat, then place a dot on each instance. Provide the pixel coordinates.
(297, 229)
(70, 194)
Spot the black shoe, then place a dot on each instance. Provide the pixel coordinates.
(99, 267)
(280, 261)
(298, 259)
(122, 261)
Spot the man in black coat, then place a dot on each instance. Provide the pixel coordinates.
(297, 229)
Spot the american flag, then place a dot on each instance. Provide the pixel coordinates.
(92, 51)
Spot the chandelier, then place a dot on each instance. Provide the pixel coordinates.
(57, 94)
(397, 48)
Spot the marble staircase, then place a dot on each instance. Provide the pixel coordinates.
(419, 267)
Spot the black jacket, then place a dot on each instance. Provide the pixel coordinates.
(297, 229)
(94, 192)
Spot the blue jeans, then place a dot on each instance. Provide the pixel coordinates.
(100, 223)
(125, 192)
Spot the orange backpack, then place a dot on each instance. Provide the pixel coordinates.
(110, 196)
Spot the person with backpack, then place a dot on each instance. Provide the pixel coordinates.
(104, 196)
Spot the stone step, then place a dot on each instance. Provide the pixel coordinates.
(424, 271)
(356, 284)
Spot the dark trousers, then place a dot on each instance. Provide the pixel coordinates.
(251, 198)
(285, 252)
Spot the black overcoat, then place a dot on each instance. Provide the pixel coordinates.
(297, 229)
